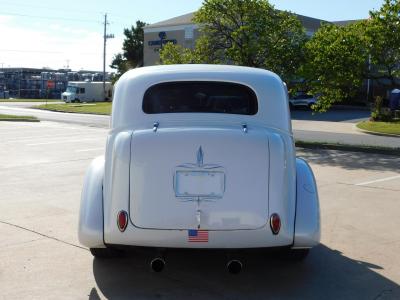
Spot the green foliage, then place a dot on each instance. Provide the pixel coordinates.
(247, 33)
(176, 54)
(383, 34)
(338, 57)
(377, 109)
(336, 63)
(98, 108)
(132, 55)
(381, 127)
(380, 113)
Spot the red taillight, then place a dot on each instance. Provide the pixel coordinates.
(122, 220)
(275, 223)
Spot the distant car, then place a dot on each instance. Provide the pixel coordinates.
(200, 156)
(302, 100)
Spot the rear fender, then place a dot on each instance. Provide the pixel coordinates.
(90, 230)
(307, 224)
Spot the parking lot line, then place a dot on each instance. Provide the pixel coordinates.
(66, 141)
(87, 150)
(378, 180)
(49, 136)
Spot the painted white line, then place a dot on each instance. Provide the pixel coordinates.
(41, 137)
(66, 141)
(378, 180)
(87, 150)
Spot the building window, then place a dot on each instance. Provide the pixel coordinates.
(188, 33)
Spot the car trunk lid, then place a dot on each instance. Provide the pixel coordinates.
(208, 178)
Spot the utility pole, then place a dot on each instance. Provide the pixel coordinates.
(106, 36)
(369, 79)
(19, 84)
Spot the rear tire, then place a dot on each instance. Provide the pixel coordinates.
(295, 255)
(104, 253)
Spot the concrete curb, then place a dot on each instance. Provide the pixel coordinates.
(19, 120)
(350, 148)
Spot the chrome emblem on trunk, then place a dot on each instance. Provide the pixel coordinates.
(200, 157)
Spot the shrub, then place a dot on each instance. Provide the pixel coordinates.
(380, 113)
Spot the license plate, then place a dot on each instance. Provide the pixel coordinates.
(199, 184)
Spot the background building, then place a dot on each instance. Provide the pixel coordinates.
(181, 30)
(41, 83)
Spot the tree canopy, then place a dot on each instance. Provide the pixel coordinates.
(383, 37)
(340, 58)
(248, 33)
(336, 63)
(132, 49)
(333, 64)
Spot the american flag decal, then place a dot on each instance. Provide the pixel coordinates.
(197, 236)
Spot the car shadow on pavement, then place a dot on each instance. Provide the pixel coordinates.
(351, 160)
(325, 274)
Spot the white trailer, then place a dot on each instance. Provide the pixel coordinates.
(86, 91)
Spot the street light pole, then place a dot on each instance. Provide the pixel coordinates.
(369, 79)
(105, 37)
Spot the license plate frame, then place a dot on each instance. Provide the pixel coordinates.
(199, 184)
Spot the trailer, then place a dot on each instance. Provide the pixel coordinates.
(87, 91)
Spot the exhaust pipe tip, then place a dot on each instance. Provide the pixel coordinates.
(234, 266)
(157, 264)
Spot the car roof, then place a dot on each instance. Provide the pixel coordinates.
(130, 89)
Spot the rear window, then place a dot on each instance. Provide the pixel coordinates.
(200, 97)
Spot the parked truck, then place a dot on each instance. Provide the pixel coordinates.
(87, 91)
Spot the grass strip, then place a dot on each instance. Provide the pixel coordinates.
(392, 128)
(13, 118)
(98, 108)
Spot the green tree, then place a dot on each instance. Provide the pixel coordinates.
(176, 54)
(383, 34)
(132, 50)
(245, 32)
(340, 59)
(336, 63)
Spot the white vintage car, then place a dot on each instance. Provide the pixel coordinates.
(200, 156)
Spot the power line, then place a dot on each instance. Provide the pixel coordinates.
(66, 9)
(49, 8)
(30, 51)
(50, 18)
(47, 52)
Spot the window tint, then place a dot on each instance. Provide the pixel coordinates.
(200, 97)
(82, 90)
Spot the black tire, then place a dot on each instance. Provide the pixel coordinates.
(295, 255)
(104, 253)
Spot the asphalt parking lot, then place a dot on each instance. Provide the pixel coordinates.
(42, 167)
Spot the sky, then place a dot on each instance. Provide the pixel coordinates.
(58, 34)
